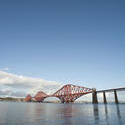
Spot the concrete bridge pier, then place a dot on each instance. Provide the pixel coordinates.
(104, 97)
(116, 97)
(94, 97)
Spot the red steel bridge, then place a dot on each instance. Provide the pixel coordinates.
(67, 94)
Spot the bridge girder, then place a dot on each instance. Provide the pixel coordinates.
(67, 94)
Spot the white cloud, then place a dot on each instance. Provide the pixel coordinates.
(5, 69)
(18, 85)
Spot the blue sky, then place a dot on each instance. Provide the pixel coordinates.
(67, 41)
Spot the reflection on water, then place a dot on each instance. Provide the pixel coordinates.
(106, 114)
(116, 112)
(61, 114)
(119, 114)
(96, 113)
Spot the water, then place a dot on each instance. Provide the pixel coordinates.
(13, 113)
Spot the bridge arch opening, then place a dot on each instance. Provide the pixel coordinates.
(52, 100)
(84, 99)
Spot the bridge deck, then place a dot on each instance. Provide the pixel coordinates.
(111, 90)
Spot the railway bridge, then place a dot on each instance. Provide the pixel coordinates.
(69, 93)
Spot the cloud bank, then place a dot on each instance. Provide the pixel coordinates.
(20, 86)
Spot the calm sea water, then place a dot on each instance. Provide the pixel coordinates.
(13, 113)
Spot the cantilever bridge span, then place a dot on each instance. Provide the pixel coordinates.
(67, 94)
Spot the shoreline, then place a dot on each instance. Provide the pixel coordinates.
(11, 99)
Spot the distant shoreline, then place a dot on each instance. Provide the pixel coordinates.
(12, 99)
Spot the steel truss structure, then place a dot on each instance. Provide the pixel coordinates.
(67, 94)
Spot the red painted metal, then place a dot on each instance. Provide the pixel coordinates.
(28, 98)
(68, 93)
(40, 96)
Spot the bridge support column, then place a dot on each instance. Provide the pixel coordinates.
(94, 97)
(62, 100)
(116, 97)
(104, 97)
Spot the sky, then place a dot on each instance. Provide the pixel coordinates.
(47, 43)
